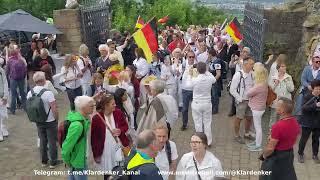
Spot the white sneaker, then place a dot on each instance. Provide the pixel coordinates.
(5, 132)
(1, 137)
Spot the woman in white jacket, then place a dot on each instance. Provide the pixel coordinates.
(199, 164)
(282, 84)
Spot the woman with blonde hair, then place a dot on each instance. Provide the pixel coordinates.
(96, 84)
(85, 65)
(257, 102)
(71, 78)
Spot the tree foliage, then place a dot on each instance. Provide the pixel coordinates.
(181, 12)
(126, 12)
(38, 8)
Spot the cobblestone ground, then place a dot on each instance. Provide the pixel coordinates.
(19, 156)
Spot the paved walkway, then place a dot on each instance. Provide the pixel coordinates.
(19, 156)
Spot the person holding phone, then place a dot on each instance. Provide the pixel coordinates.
(71, 78)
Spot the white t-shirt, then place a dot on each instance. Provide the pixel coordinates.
(161, 159)
(47, 98)
(86, 78)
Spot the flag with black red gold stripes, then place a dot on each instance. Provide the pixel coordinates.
(146, 38)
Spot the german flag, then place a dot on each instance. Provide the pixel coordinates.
(233, 29)
(146, 38)
(140, 23)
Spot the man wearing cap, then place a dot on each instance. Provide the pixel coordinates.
(162, 107)
(115, 50)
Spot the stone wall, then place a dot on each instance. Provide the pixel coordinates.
(68, 22)
(284, 30)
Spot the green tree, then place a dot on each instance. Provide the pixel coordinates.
(38, 8)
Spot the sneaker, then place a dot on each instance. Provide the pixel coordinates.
(249, 137)
(301, 159)
(183, 128)
(44, 164)
(1, 138)
(239, 140)
(255, 148)
(5, 132)
(316, 159)
(231, 114)
(252, 144)
(54, 165)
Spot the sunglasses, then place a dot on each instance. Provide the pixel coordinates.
(318, 62)
(191, 56)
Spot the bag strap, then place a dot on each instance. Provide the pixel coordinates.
(168, 151)
(103, 120)
(298, 113)
(195, 163)
(40, 94)
(239, 85)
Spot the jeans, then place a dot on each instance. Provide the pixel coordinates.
(306, 131)
(14, 84)
(257, 116)
(86, 90)
(216, 93)
(77, 174)
(72, 94)
(47, 132)
(186, 99)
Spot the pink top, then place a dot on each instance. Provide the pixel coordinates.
(258, 96)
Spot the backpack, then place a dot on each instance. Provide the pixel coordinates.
(122, 169)
(18, 68)
(63, 131)
(241, 79)
(35, 107)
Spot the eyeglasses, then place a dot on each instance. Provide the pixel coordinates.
(195, 142)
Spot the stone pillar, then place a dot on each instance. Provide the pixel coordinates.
(68, 22)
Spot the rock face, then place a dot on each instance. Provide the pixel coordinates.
(294, 30)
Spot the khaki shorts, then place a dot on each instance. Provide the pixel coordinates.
(243, 110)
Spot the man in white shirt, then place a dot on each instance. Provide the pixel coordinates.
(48, 130)
(241, 82)
(186, 87)
(166, 159)
(201, 104)
(202, 53)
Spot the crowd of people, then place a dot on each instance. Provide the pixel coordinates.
(122, 107)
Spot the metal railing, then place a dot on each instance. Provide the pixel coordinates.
(254, 29)
(95, 18)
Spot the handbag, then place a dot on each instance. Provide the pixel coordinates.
(124, 150)
(271, 96)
